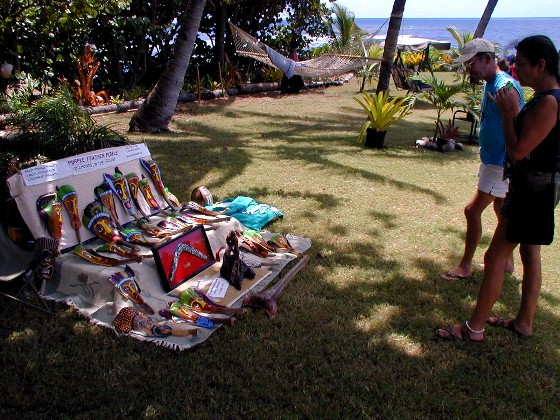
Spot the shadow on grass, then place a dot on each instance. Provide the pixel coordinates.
(368, 340)
(222, 152)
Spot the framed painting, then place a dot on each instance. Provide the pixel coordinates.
(183, 257)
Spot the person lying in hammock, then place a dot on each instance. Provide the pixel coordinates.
(294, 83)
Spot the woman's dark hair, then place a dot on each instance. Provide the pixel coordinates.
(538, 47)
(503, 64)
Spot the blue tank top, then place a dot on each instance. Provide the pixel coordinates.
(491, 134)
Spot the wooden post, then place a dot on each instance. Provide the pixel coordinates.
(221, 79)
(198, 77)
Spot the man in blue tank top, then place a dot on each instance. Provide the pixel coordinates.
(479, 60)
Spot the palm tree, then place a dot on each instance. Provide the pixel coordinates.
(461, 37)
(347, 36)
(219, 42)
(390, 45)
(156, 112)
(371, 71)
(479, 33)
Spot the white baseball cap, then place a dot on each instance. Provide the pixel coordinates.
(473, 47)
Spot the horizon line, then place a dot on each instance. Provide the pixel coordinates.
(471, 17)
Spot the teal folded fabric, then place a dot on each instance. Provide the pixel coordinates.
(250, 213)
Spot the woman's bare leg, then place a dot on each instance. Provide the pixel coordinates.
(495, 260)
(530, 289)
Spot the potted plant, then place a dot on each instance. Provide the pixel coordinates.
(382, 112)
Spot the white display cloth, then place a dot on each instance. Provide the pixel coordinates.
(86, 286)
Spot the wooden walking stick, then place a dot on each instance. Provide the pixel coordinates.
(267, 299)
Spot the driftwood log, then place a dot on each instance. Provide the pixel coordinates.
(267, 299)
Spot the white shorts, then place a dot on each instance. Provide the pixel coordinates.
(490, 180)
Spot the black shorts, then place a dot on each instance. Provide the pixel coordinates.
(529, 207)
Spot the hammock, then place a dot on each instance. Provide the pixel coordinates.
(326, 65)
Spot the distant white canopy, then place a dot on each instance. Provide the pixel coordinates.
(409, 42)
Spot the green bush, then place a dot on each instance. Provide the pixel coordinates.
(55, 127)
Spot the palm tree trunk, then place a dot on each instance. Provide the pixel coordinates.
(479, 33)
(156, 112)
(390, 45)
(221, 22)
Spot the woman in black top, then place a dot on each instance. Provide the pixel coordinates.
(532, 141)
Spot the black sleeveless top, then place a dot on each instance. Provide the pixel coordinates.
(546, 156)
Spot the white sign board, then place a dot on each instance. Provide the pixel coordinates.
(83, 164)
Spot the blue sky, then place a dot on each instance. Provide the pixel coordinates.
(444, 9)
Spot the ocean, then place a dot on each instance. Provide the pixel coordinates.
(503, 31)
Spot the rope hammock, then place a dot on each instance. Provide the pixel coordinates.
(326, 65)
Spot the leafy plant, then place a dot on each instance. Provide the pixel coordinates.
(370, 72)
(474, 102)
(462, 37)
(441, 96)
(135, 93)
(412, 58)
(446, 58)
(20, 97)
(383, 111)
(56, 127)
(449, 131)
(209, 84)
(441, 61)
(272, 74)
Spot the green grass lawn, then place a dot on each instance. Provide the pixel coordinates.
(354, 337)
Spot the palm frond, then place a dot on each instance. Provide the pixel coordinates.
(346, 34)
(462, 37)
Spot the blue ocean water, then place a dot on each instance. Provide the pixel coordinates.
(502, 31)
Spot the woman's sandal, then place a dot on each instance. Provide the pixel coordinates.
(506, 323)
(451, 335)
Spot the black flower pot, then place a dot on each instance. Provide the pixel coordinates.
(375, 139)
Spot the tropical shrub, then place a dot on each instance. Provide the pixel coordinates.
(370, 72)
(272, 74)
(383, 111)
(135, 93)
(442, 96)
(56, 127)
(441, 61)
(18, 97)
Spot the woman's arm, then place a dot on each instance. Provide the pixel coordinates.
(537, 123)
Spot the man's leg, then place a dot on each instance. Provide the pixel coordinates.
(473, 214)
